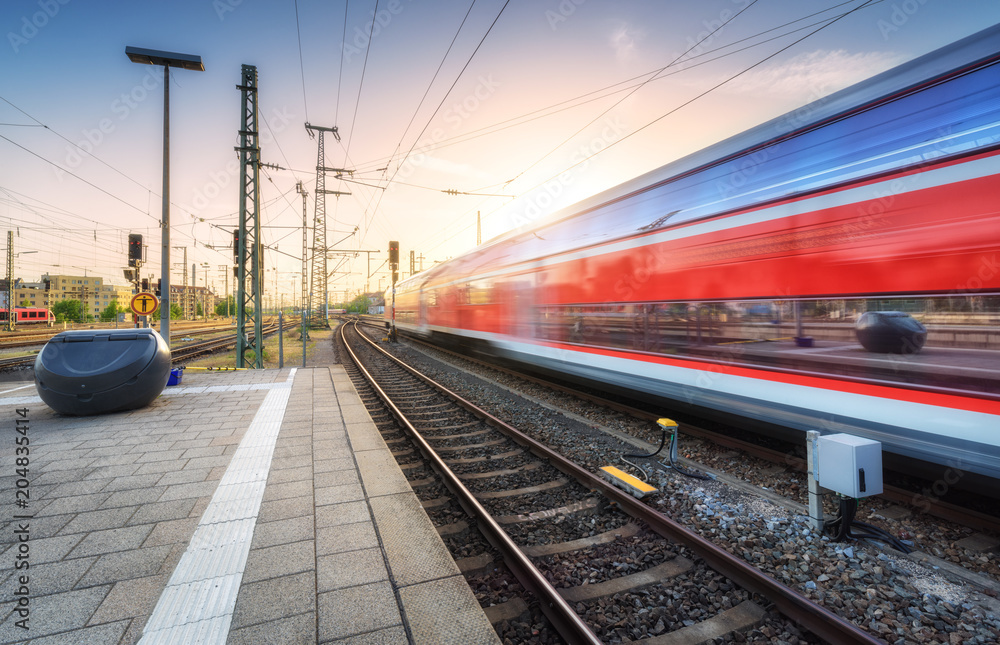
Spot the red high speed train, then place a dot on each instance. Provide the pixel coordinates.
(728, 281)
(30, 315)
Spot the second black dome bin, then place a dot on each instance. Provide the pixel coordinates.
(94, 371)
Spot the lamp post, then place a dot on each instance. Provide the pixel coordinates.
(167, 60)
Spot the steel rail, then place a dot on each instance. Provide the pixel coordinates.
(187, 352)
(565, 620)
(12, 342)
(816, 618)
(935, 507)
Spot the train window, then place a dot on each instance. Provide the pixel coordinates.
(479, 292)
(785, 335)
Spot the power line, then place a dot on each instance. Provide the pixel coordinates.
(454, 83)
(636, 89)
(709, 90)
(824, 25)
(72, 174)
(302, 69)
(438, 108)
(361, 84)
(93, 156)
(340, 74)
(610, 90)
(430, 84)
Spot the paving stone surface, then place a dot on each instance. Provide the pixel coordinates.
(116, 499)
(111, 504)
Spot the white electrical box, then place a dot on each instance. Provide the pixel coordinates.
(849, 465)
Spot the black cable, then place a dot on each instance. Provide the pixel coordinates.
(663, 441)
(845, 526)
(670, 456)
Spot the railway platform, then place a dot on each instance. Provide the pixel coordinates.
(239, 507)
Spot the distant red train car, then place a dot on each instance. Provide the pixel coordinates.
(693, 284)
(29, 315)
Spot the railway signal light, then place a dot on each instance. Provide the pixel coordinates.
(159, 285)
(393, 254)
(145, 285)
(134, 249)
(236, 246)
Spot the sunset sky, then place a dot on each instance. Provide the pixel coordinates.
(526, 105)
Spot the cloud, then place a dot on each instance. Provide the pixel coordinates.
(464, 170)
(624, 41)
(816, 73)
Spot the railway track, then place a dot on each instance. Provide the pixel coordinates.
(187, 352)
(600, 564)
(34, 337)
(930, 504)
(178, 353)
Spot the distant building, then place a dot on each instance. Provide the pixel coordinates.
(376, 303)
(190, 297)
(89, 290)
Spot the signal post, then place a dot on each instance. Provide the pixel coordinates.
(393, 268)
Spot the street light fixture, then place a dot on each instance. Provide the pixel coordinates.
(167, 60)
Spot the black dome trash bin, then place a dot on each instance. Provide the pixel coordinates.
(84, 372)
(890, 332)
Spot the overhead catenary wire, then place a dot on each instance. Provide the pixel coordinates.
(174, 226)
(302, 69)
(430, 83)
(92, 156)
(704, 93)
(638, 87)
(416, 111)
(822, 25)
(614, 88)
(440, 104)
(450, 88)
(340, 74)
(72, 174)
(361, 84)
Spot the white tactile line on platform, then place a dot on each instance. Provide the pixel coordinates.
(21, 400)
(209, 389)
(198, 602)
(15, 389)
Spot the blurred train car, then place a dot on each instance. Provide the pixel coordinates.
(29, 315)
(692, 284)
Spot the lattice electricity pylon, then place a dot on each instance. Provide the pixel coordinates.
(317, 294)
(11, 314)
(250, 259)
(305, 253)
